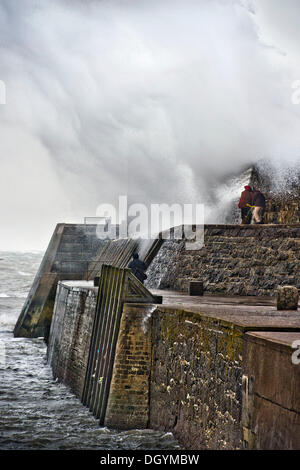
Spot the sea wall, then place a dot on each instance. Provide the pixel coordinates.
(128, 405)
(71, 332)
(217, 375)
(236, 260)
(69, 349)
(98, 346)
(74, 253)
(195, 366)
(196, 379)
(225, 380)
(70, 251)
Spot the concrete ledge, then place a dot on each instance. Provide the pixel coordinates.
(246, 313)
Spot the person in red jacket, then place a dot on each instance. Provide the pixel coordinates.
(244, 204)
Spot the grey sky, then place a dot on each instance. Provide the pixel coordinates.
(160, 100)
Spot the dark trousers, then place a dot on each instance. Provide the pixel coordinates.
(246, 215)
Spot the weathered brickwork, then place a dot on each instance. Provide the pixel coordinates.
(71, 335)
(196, 379)
(128, 405)
(236, 260)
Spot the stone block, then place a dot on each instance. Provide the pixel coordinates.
(196, 288)
(158, 299)
(287, 298)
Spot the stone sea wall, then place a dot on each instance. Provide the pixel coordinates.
(216, 378)
(196, 379)
(68, 256)
(70, 334)
(216, 383)
(235, 260)
(128, 405)
(98, 345)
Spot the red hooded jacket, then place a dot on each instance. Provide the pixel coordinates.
(246, 198)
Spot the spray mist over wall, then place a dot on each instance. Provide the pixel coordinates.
(158, 100)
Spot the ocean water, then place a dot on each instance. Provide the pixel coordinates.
(37, 412)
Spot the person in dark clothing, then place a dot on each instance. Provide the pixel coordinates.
(245, 203)
(138, 268)
(259, 203)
